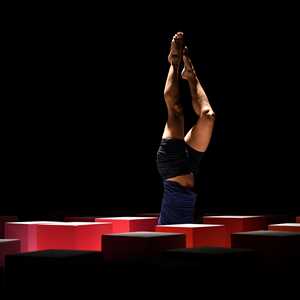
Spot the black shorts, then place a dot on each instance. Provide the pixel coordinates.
(175, 157)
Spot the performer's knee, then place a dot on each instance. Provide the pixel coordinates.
(208, 115)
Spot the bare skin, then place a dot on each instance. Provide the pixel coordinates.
(175, 123)
(200, 134)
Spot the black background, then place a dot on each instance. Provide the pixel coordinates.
(83, 108)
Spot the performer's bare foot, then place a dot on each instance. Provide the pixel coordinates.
(188, 72)
(175, 55)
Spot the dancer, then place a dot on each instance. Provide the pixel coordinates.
(179, 155)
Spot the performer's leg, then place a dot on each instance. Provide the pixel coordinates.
(175, 124)
(174, 128)
(200, 134)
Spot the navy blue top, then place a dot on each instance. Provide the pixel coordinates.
(177, 204)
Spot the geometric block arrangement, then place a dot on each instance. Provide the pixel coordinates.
(198, 235)
(52, 270)
(126, 246)
(135, 250)
(130, 224)
(290, 227)
(3, 220)
(72, 235)
(26, 232)
(7, 247)
(237, 224)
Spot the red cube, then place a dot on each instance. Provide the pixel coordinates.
(26, 232)
(290, 227)
(7, 247)
(236, 224)
(132, 245)
(72, 235)
(198, 235)
(3, 220)
(130, 224)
